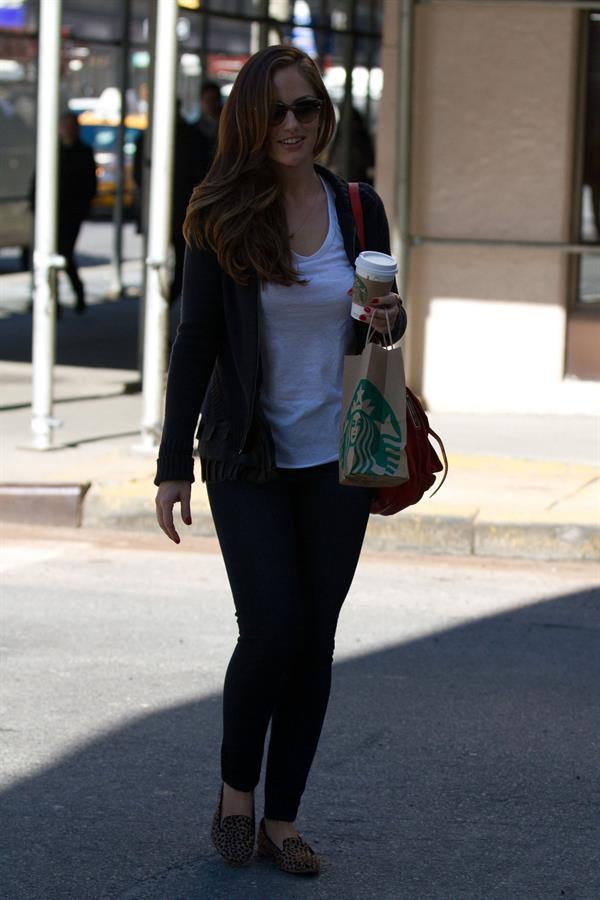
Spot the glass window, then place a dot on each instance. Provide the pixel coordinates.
(188, 31)
(339, 14)
(252, 7)
(590, 205)
(18, 61)
(583, 322)
(279, 34)
(229, 36)
(230, 7)
(281, 10)
(89, 19)
(139, 24)
(368, 15)
(18, 15)
(589, 280)
(90, 75)
(17, 126)
(589, 266)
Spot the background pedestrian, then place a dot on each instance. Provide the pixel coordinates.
(211, 106)
(77, 185)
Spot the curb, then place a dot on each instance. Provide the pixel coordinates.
(450, 535)
(455, 532)
(43, 504)
(550, 541)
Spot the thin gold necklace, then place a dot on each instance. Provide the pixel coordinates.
(294, 233)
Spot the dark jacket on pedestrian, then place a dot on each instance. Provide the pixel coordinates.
(76, 180)
(192, 154)
(215, 361)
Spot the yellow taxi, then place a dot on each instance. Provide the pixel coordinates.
(101, 133)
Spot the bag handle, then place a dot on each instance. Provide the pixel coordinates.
(371, 331)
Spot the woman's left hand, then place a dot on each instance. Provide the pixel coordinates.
(379, 306)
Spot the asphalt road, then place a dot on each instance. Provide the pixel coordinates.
(459, 757)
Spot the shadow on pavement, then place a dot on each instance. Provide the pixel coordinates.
(461, 765)
(105, 335)
(92, 259)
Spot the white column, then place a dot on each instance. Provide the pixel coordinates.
(45, 259)
(404, 138)
(156, 320)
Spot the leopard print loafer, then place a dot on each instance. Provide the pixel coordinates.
(296, 857)
(234, 836)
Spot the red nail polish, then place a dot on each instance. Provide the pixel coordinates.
(363, 318)
(375, 300)
(367, 309)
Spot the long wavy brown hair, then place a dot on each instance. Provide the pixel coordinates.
(237, 210)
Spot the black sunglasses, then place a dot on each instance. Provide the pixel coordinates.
(305, 111)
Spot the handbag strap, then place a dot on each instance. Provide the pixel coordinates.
(357, 212)
(359, 222)
(444, 457)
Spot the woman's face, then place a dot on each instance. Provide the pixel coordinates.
(292, 143)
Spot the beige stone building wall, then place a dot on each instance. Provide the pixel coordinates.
(494, 91)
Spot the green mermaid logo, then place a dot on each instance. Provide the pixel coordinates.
(372, 441)
(360, 294)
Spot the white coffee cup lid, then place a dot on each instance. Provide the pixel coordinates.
(379, 266)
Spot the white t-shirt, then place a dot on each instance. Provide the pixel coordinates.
(305, 332)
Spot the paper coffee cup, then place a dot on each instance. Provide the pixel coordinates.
(373, 277)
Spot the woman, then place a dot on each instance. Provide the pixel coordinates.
(265, 324)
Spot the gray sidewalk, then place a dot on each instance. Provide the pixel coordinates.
(522, 486)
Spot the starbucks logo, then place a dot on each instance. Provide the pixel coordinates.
(372, 440)
(360, 293)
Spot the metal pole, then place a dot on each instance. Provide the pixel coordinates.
(45, 258)
(159, 231)
(145, 187)
(117, 255)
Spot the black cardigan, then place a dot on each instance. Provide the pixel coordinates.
(215, 360)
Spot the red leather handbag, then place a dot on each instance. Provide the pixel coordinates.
(423, 461)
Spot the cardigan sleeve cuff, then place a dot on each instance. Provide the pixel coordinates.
(174, 464)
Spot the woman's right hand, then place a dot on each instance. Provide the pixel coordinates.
(169, 493)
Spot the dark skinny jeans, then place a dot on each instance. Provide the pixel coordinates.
(290, 547)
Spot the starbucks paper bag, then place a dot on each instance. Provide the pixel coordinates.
(373, 419)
